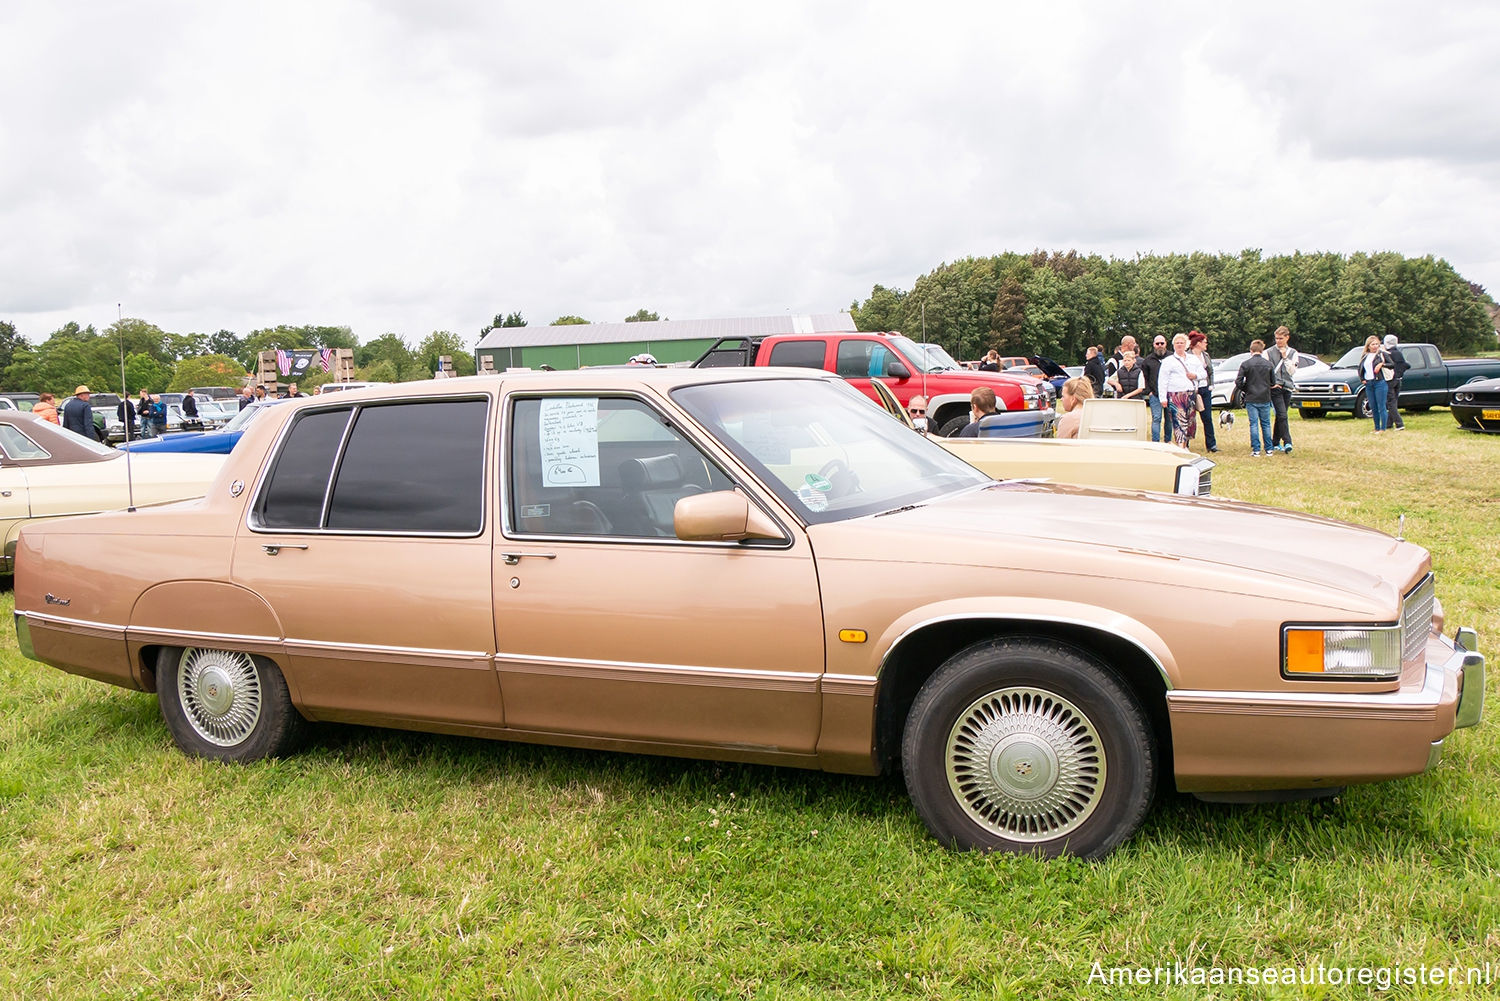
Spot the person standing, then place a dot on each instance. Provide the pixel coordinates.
(991, 362)
(1129, 381)
(125, 414)
(1396, 366)
(189, 406)
(292, 394)
(1093, 369)
(1253, 383)
(45, 407)
(1178, 387)
(1198, 346)
(1151, 376)
(244, 397)
(158, 416)
(78, 415)
(1283, 359)
(1372, 371)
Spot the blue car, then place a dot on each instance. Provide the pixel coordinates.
(219, 442)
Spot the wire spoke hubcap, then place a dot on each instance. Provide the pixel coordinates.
(220, 694)
(1025, 764)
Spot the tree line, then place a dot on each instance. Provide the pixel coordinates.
(1057, 304)
(159, 361)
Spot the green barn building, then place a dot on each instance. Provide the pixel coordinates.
(579, 345)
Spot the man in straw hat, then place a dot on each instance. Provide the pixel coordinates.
(78, 416)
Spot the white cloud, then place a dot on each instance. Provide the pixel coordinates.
(416, 166)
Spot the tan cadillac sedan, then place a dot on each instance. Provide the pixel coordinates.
(757, 566)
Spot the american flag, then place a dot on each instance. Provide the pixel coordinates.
(325, 358)
(283, 361)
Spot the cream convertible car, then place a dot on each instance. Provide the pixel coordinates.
(754, 565)
(1127, 465)
(46, 472)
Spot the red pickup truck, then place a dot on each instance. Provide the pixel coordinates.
(895, 360)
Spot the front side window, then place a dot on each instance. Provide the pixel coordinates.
(601, 466)
(395, 468)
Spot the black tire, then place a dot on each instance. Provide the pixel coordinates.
(953, 426)
(1028, 747)
(1236, 400)
(1362, 406)
(1311, 415)
(226, 705)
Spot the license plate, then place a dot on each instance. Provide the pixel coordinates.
(1491, 415)
(1311, 404)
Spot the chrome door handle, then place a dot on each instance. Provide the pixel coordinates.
(511, 559)
(272, 548)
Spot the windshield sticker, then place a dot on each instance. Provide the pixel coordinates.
(814, 500)
(569, 442)
(818, 482)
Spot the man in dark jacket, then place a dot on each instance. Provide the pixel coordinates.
(125, 414)
(1093, 367)
(189, 406)
(1161, 417)
(78, 416)
(1396, 362)
(1254, 383)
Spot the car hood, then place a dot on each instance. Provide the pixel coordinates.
(1030, 525)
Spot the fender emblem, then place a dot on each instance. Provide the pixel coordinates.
(53, 599)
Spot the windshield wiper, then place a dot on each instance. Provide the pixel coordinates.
(898, 510)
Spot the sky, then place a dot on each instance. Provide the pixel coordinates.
(416, 165)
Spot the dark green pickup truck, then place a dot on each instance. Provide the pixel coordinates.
(1426, 383)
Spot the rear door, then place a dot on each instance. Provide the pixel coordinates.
(370, 539)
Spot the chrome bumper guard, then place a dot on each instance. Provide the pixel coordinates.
(1469, 663)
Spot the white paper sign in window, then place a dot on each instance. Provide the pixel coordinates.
(569, 432)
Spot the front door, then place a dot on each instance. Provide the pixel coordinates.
(608, 626)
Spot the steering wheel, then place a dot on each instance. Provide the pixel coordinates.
(841, 479)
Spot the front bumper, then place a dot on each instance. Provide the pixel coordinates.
(1344, 403)
(1289, 739)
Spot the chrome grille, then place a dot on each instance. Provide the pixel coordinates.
(1322, 388)
(1416, 620)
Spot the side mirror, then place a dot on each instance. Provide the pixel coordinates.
(721, 516)
(898, 371)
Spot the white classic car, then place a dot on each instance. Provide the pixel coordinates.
(46, 472)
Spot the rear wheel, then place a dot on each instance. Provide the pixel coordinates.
(1027, 747)
(226, 705)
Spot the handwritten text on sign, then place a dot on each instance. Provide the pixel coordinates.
(569, 432)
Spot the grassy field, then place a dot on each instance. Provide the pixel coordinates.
(382, 864)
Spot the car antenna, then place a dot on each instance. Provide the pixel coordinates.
(125, 405)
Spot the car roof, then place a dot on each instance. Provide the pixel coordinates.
(65, 446)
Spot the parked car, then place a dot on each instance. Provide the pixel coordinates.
(755, 565)
(1225, 396)
(1130, 465)
(1429, 381)
(177, 421)
(1476, 405)
(867, 357)
(216, 392)
(335, 387)
(46, 472)
(220, 441)
(22, 401)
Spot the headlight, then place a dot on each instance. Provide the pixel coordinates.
(1463, 397)
(1370, 653)
(1031, 397)
(1341, 389)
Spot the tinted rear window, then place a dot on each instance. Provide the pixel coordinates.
(799, 354)
(413, 467)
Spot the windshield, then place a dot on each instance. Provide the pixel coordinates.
(244, 417)
(1350, 358)
(826, 452)
(936, 359)
(921, 356)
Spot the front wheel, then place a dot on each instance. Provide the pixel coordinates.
(953, 426)
(1362, 406)
(1028, 747)
(226, 705)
